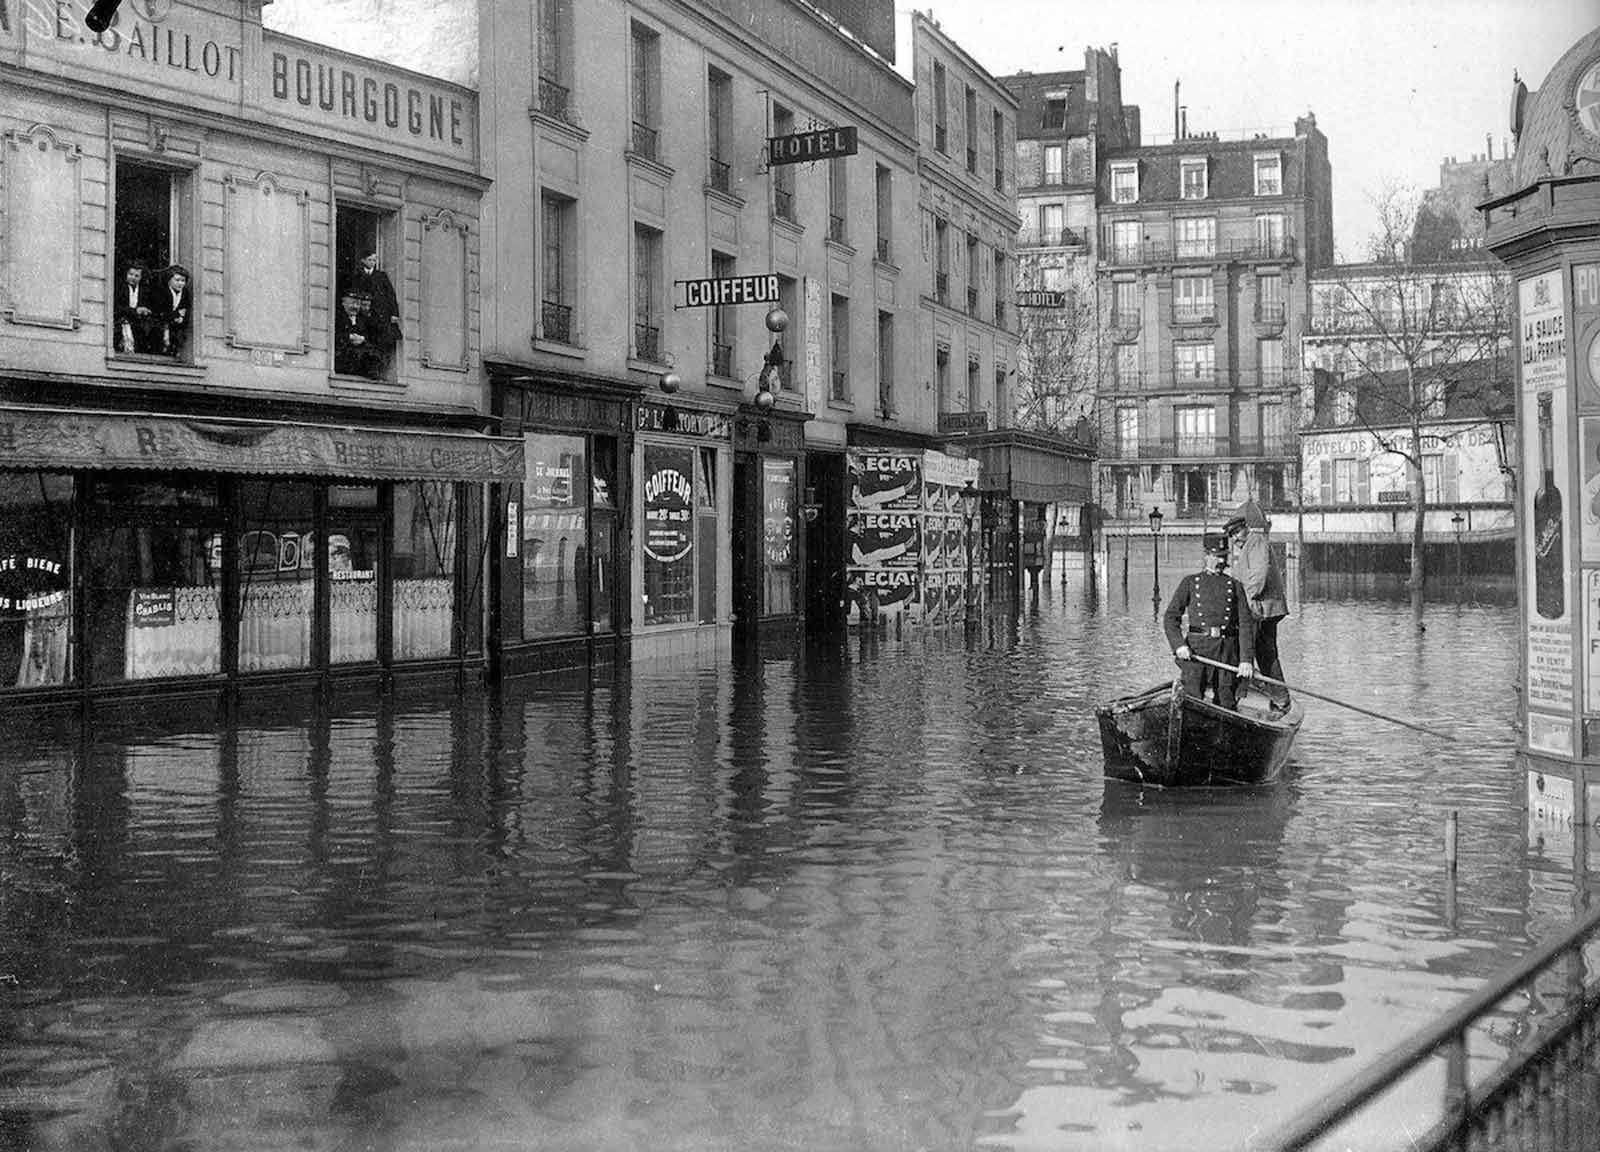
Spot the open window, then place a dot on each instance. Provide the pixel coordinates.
(367, 329)
(153, 290)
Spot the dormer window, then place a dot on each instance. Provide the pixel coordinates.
(1125, 183)
(1192, 178)
(1269, 174)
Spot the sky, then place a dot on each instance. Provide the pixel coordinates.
(1396, 85)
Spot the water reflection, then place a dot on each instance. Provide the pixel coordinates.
(870, 895)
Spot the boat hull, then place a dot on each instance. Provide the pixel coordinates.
(1166, 739)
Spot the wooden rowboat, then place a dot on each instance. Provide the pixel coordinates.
(1167, 739)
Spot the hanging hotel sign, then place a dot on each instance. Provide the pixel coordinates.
(714, 291)
(1041, 298)
(804, 147)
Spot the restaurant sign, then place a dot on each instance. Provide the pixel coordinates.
(29, 583)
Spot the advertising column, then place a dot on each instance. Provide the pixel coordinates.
(1547, 546)
(883, 527)
(1586, 327)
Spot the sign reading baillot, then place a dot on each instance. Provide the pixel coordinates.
(804, 147)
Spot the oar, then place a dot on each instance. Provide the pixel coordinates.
(1329, 699)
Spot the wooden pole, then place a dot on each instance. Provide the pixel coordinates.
(1330, 699)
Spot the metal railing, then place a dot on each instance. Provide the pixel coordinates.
(999, 313)
(555, 321)
(783, 203)
(1271, 313)
(835, 228)
(1152, 251)
(1201, 447)
(1051, 238)
(972, 159)
(647, 342)
(720, 174)
(883, 250)
(1194, 313)
(941, 287)
(841, 388)
(941, 138)
(644, 140)
(555, 99)
(1544, 1097)
(722, 360)
(972, 302)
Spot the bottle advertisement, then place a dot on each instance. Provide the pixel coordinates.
(1544, 487)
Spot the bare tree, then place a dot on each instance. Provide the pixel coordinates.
(1059, 347)
(1415, 342)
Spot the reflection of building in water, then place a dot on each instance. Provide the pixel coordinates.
(211, 494)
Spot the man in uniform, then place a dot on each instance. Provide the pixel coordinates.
(1219, 626)
(1250, 557)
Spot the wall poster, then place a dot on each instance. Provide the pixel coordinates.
(1548, 531)
(668, 490)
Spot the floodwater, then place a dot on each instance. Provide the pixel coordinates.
(849, 896)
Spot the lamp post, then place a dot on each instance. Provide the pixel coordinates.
(772, 364)
(1155, 548)
(1457, 522)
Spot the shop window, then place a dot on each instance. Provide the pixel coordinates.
(355, 535)
(35, 579)
(366, 318)
(425, 541)
(276, 604)
(603, 582)
(705, 523)
(669, 534)
(778, 510)
(152, 578)
(152, 312)
(555, 537)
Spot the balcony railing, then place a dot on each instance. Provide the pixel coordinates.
(972, 302)
(1194, 314)
(835, 228)
(941, 287)
(645, 139)
(941, 138)
(886, 398)
(647, 342)
(783, 204)
(555, 321)
(999, 313)
(883, 250)
(720, 174)
(999, 179)
(1152, 252)
(841, 389)
(1128, 320)
(972, 159)
(555, 99)
(1271, 313)
(1050, 238)
(1129, 381)
(722, 360)
(1203, 447)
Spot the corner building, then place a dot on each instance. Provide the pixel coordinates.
(665, 504)
(198, 486)
(1206, 252)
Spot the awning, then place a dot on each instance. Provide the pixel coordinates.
(1026, 472)
(61, 439)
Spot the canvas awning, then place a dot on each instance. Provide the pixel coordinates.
(63, 439)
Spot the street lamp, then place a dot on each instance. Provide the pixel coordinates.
(772, 363)
(1155, 547)
(1457, 522)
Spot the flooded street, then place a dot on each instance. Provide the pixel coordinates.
(858, 896)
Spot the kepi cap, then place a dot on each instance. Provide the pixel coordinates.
(1236, 522)
(1215, 543)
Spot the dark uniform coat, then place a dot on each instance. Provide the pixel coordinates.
(1219, 627)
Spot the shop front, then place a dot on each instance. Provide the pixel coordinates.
(564, 599)
(141, 550)
(682, 554)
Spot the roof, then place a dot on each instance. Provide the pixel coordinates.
(1553, 135)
